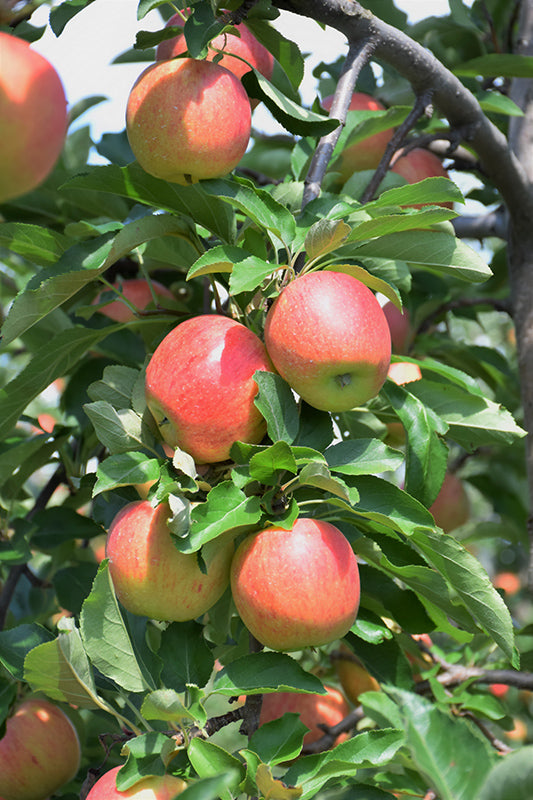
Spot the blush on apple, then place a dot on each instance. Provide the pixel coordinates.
(314, 709)
(367, 153)
(138, 292)
(200, 386)
(33, 117)
(329, 339)
(188, 120)
(417, 164)
(451, 508)
(39, 752)
(152, 577)
(297, 588)
(154, 787)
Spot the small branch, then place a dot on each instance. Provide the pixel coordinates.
(254, 702)
(493, 224)
(358, 55)
(496, 743)
(420, 107)
(330, 734)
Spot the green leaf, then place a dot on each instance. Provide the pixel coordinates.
(280, 740)
(167, 705)
(146, 756)
(41, 245)
(324, 236)
(210, 760)
(187, 659)
(267, 465)
(63, 13)
(119, 431)
(454, 758)
(362, 457)
(394, 223)
(106, 639)
(511, 778)
(247, 271)
(318, 475)
(259, 673)
(498, 65)
(372, 281)
(436, 251)
(211, 788)
(429, 190)
(498, 103)
(16, 643)
(59, 524)
(276, 403)
(116, 386)
(125, 469)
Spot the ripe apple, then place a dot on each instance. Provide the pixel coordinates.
(401, 332)
(415, 165)
(313, 709)
(296, 588)
(244, 45)
(354, 678)
(451, 508)
(508, 581)
(33, 117)
(187, 120)
(164, 787)
(137, 291)
(200, 386)
(39, 752)
(329, 339)
(367, 153)
(498, 689)
(150, 575)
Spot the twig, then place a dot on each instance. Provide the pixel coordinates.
(495, 742)
(330, 734)
(254, 702)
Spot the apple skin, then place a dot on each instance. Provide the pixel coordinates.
(137, 291)
(297, 588)
(313, 709)
(200, 386)
(171, 107)
(150, 575)
(451, 508)
(417, 164)
(354, 678)
(33, 117)
(329, 339)
(245, 45)
(402, 372)
(401, 332)
(367, 153)
(164, 787)
(39, 753)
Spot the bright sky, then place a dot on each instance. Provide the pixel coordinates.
(83, 54)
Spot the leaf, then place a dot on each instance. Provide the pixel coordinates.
(259, 673)
(63, 13)
(267, 465)
(273, 789)
(366, 277)
(167, 705)
(319, 476)
(16, 643)
(394, 223)
(210, 760)
(119, 431)
(324, 236)
(279, 740)
(276, 403)
(247, 271)
(187, 658)
(498, 65)
(429, 190)
(106, 639)
(210, 788)
(125, 469)
(41, 245)
(362, 457)
(511, 778)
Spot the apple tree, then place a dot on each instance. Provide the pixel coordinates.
(310, 589)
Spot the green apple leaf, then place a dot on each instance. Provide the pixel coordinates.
(429, 190)
(360, 124)
(280, 740)
(125, 469)
(261, 673)
(318, 475)
(501, 65)
(16, 643)
(276, 403)
(187, 659)
(116, 386)
(119, 431)
(212, 788)
(372, 281)
(247, 271)
(511, 778)
(268, 465)
(210, 760)
(286, 52)
(167, 705)
(394, 223)
(362, 457)
(146, 755)
(324, 236)
(43, 246)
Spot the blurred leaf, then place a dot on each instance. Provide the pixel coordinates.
(62, 14)
(60, 524)
(16, 643)
(41, 245)
(498, 65)
(511, 778)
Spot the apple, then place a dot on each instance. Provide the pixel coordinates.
(162, 787)
(367, 153)
(402, 372)
(33, 117)
(296, 588)
(354, 678)
(200, 386)
(188, 120)
(39, 752)
(498, 689)
(329, 339)
(508, 581)
(400, 327)
(451, 508)
(138, 292)
(314, 709)
(152, 577)
(244, 45)
(415, 165)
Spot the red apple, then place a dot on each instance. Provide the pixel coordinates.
(200, 386)
(367, 153)
(498, 689)
(329, 339)
(400, 327)
(354, 678)
(150, 575)
(33, 117)
(187, 120)
(296, 588)
(137, 291)
(39, 752)
(402, 372)
(164, 787)
(451, 508)
(244, 45)
(313, 709)
(417, 164)
(508, 581)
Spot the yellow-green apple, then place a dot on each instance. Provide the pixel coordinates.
(200, 386)
(367, 153)
(401, 331)
(188, 120)
(296, 588)
(329, 339)
(451, 508)
(314, 709)
(138, 292)
(39, 752)
(417, 164)
(33, 117)
(152, 577)
(354, 678)
(242, 44)
(162, 787)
